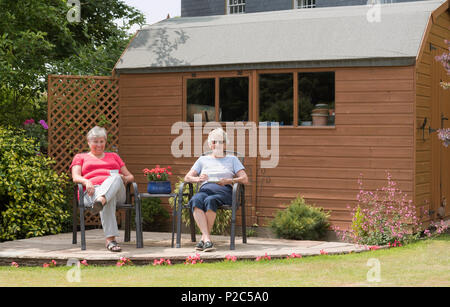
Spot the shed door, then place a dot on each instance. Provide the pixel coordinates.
(441, 119)
(444, 101)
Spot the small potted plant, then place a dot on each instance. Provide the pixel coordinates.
(158, 180)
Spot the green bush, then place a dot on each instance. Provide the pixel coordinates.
(223, 217)
(31, 192)
(300, 221)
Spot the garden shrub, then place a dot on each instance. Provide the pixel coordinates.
(31, 192)
(223, 217)
(384, 217)
(301, 221)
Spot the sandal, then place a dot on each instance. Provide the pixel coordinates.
(113, 247)
(96, 207)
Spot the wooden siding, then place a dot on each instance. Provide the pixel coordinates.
(429, 152)
(373, 134)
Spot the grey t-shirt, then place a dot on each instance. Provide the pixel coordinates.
(217, 168)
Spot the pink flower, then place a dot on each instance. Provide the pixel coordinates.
(14, 264)
(294, 255)
(193, 260)
(230, 258)
(29, 122)
(161, 261)
(124, 261)
(265, 257)
(322, 252)
(84, 262)
(43, 124)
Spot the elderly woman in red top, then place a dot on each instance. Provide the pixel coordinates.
(104, 175)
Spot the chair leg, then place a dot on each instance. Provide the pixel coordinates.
(139, 235)
(179, 211)
(74, 224)
(82, 229)
(174, 211)
(192, 225)
(233, 228)
(244, 224)
(127, 225)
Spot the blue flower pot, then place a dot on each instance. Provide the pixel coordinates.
(159, 187)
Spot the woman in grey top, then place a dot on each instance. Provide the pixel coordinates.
(217, 173)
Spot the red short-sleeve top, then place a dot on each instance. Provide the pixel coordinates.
(95, 169)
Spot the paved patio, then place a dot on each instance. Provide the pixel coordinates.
(36, 251)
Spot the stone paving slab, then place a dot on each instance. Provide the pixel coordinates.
(157, 245)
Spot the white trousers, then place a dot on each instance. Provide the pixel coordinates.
(114, 191)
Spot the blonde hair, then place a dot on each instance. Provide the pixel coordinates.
(97, 132)
(217, 135)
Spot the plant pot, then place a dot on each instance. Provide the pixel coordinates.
(159, 187)
(319, 119)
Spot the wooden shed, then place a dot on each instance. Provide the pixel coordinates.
(369, 70)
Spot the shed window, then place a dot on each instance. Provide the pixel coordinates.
(233, 101)
(200, 99)
(276, 99)
(304, 4)
(316, 99)
(236, 6)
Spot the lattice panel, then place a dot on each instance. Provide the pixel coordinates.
(75, 105)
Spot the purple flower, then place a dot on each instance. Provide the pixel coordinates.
(43, 124)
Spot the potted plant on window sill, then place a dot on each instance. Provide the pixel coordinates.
(158, 180)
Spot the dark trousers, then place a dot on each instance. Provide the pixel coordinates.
(211, 196)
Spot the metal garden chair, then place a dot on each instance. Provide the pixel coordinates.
(132, 202)
(238, 200)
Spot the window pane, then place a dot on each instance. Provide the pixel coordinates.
(316, 99)
(276, 98)
(233, 99)
(200, 99)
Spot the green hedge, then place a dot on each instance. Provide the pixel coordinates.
(31, 192)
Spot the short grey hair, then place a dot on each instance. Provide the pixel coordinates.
(216, 135)
(97, 132)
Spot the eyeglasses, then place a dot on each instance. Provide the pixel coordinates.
(218, 142)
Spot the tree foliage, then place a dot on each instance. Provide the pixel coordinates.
(37, 39)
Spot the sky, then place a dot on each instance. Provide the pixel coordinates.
(155, 10)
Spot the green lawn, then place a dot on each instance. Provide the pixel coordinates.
(424, 263)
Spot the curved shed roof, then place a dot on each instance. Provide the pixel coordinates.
(363, 35)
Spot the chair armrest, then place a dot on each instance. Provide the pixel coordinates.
(181, 188)
(238, 193)
(137, 196)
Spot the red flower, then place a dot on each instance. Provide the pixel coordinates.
(158, 173)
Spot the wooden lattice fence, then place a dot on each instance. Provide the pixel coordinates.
(75, 105)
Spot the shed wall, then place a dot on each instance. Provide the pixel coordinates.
(431, 102)
(373, 133)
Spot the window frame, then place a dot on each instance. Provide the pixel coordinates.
(217, 77)
(229, 7)
(253, 100)
(303, 4)
(295, 93)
